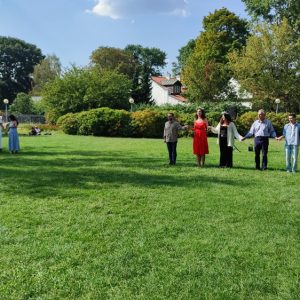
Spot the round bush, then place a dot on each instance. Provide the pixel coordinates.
(148, 123)
(68, 123)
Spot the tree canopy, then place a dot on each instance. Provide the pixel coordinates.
(206, 71)
(17, 61)
(184, 53)
(274, 11)
(149, 62)
(110, 58)
(83, 89)
(23, 104)
(269, 66)
(48, 69)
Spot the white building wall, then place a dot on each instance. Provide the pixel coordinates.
(161, 96)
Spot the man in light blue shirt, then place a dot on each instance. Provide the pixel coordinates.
(262, 129)
(291, 133)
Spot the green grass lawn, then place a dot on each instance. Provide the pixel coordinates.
(108, 218)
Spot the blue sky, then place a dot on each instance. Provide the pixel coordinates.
(72, 29)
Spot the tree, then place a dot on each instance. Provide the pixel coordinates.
(148, 61)
(23, 104)
(269, 66)
(206, 73)
(184, 53)
(48, 69)
(84, 89)
(110, 58)
(17, 60)
(274, 11)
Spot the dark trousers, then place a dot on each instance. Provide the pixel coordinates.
(261, 144)
(172, 152)
(225, 153)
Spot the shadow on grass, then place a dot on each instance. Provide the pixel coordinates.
(64, 174)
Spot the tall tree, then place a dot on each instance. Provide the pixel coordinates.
(23, 104)
(83, 89)
(48, 69)
(206, 73)
(17, 60)
(110, 58)
(184, 53)
(149, 62)
(274, 11)
(269, 66)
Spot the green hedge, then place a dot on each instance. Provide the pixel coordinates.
(245, 121)
(147, 123)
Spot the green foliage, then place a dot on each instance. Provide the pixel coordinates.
(110, 58)
(245, 121)
(148, 62)
(148, 123)
(47, 70)
(269, 66)
(18, 59)
(23, 104)
(206, 73)
(184, 53)
(39, 107)
(69, 123)
(84, 89)
(102, 121)
(274, 11)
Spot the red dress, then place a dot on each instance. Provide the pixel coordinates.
(200, 144)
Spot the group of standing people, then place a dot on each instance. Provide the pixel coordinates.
(13, 136)
(227, 132)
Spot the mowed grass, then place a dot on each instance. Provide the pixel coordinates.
(108, 218)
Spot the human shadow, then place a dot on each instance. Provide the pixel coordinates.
(66, 173)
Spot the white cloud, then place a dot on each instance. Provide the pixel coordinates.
(117, 9)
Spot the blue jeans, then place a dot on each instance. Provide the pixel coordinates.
(172, 152)
(261, 144)
(291, 157)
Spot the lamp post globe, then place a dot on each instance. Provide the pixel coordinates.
(277, 101)
(6, 101)
(131, 101)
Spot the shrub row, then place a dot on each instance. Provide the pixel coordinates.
(146, 123)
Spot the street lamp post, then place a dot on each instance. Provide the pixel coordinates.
(277, 101)
(131, 101)
(5, 101)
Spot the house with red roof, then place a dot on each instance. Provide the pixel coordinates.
(166, 90)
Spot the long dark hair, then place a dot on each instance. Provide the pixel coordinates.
(13, 118)
(203, 116)
(227, 118)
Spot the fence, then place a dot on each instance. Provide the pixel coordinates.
(35, 119)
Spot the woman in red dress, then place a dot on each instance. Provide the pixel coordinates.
(200, 145)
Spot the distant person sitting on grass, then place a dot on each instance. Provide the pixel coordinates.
(37, 130)
(171, 135)
(13, 136)
(291, 133)
(32, 131)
